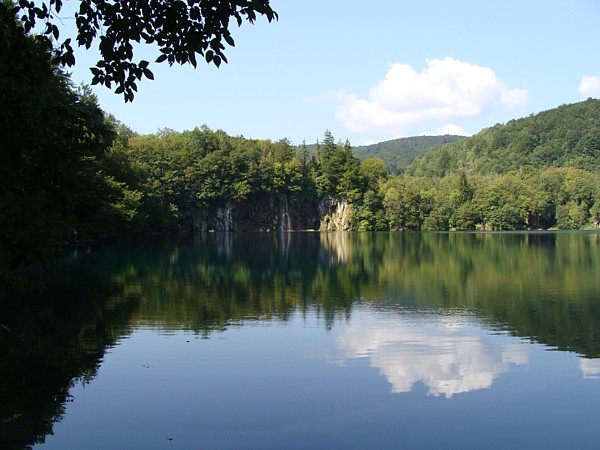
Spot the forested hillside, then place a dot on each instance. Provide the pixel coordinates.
(400, 153)
(567, 136)
(538, 172)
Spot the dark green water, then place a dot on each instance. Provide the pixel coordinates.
(308, 340)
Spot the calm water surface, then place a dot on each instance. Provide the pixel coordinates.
(308, 340)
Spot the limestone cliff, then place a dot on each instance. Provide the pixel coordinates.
(273, 213)
(335, 215)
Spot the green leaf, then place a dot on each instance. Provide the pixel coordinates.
(148, 74)
(229, 39)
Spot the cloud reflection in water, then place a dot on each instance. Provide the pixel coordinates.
(448, 354)
(590, 368)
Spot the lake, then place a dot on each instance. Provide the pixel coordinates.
(309, 340)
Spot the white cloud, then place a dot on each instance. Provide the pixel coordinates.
(589, 86)
(449, 128)
(514, 98)
(445, 89)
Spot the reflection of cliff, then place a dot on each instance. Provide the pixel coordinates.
(227, 277)
(541, 285)
(335, 247)
(442, 353)
(544, 286)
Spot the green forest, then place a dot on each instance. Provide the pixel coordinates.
(72, 172)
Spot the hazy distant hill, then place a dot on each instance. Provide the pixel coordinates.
(567, 136)
(399, 153)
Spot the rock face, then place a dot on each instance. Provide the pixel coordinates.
(334, 215)
(273, 213)
(223, 218)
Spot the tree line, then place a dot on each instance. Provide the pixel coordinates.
(156, 182)
(171, 175)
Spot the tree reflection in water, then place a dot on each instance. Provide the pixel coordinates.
(536, 286)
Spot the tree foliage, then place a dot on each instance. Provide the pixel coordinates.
(180, 30)
(58, 180)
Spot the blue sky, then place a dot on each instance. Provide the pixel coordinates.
(377, 70)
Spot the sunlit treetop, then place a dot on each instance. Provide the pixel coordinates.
(180, 30)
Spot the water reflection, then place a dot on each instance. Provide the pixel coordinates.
(590, 368)
(448, 354)
(445, 310)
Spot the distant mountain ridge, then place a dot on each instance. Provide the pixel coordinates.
(400, 153)
(566, 136)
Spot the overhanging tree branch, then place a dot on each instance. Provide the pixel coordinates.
(180, 29)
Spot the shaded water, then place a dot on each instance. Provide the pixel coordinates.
(309, 340)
